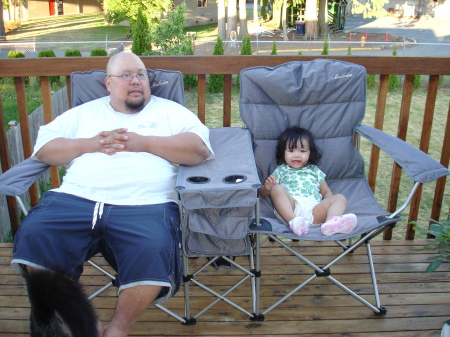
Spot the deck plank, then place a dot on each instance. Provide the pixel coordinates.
(417, 302)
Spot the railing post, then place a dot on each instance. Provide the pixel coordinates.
(440, 183)
(401, 133)
(378, 124)
(25, 131)
(48, 117)
(201, 98)
(427, 124)
(6, 165)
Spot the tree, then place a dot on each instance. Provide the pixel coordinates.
(246, 48)
(243, 30)
(274, 48)
(216, 81)
(311, 20)
(169, 35)
(120, 10)
(323, 17)
(231, 18)
(221, 21)
(141, 33)
(2, 25)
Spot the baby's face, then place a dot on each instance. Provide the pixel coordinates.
(298, 156)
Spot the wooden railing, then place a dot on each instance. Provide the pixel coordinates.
(434, 68)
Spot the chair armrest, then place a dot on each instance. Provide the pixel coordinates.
(419, 166)
(20, 177)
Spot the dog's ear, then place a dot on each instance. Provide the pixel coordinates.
(53, 293)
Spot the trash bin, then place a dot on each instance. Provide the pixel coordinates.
(300, 25)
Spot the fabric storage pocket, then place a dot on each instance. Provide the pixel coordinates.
(213, 232)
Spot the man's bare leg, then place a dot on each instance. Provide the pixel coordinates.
(131, 305)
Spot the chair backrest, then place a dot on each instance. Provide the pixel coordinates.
(89, 85)
(327, 97)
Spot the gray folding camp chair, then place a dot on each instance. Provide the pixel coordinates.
(328, 98)
(87, 86)
(218, 200)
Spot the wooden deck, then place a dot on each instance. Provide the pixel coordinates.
(417, 302)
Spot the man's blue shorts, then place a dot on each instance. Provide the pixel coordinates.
(142, 243)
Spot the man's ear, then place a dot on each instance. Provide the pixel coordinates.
(108, 83)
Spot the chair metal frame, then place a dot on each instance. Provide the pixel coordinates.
(259, 98)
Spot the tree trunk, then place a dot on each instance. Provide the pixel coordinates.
(2, 27)
(243, 30)
(276, 13)
(231, 19)
(323, 17)
(221, 20)
(24, 12)
(311, 20)
(283, 16)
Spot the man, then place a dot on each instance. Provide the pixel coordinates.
(118, 194)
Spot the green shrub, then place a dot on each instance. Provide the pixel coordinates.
(416, 82)
(8, 238)
(299, 52)
(190, 80)
(349, 50)
(394, 53)
(274, 48)
(393, 82)
(246, 48)
(98, 52)
(216, 81)
(49, 53)
(440, 241)
(325, 47)
(371, 81)
(13, 55)
(46, 53)
(72, 53)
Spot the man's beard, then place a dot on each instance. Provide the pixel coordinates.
(135, 106)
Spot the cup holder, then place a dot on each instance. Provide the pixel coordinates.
(198, 180)
(234, 179)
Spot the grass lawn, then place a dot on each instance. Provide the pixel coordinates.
(85, 27)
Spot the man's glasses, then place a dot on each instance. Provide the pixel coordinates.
(129, 77)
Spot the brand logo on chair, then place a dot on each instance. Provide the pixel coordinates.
(338, 76)
(159, 83)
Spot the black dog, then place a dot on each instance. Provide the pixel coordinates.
(53, 293)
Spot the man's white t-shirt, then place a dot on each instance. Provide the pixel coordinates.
(126, 178)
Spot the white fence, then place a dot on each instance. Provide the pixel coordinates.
(259, 47)
(405, 48)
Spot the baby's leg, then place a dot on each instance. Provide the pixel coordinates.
(283, 202)
(329, 207)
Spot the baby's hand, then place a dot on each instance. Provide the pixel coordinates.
(270, 182)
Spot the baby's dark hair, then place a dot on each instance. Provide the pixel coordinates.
(290, 137)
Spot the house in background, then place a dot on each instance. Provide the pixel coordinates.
(198, 12)
(33, 9)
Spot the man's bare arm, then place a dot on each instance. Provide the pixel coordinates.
(61, 151)
(184, 148)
